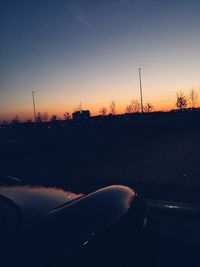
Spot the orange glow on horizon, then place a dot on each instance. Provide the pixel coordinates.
(94, 109)
(161, 101)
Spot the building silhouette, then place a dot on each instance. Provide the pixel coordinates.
(81, 115)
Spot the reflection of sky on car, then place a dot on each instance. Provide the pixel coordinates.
(35, 200)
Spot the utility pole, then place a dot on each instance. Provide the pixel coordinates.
(141, 98)
(80, 106)
(34, 110)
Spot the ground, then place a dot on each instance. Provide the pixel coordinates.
(161, 159)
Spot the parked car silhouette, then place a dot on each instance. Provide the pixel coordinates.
(112, 226)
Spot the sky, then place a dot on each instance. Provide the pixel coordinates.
(69, 51)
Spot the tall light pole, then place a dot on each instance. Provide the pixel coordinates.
(80, 106)
(141, 98)
(34, 109)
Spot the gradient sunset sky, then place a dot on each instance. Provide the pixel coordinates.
(67, 51)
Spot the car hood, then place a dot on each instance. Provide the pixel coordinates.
(46, 239)
(36, 200)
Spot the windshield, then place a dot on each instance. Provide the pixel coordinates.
(101, 92)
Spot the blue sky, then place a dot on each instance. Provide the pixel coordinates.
(89, 50)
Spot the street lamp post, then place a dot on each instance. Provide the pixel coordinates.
(141, 97)
(34, 109)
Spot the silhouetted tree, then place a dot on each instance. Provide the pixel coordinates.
(103, 111)
(29, 120)
(5, 123)
(135, 105)
(67, 116)
(113, 107)
(181, 100)
(148, 107)
(54, 118)
(128, 109)
(193, 96)
(39, 117)
(15, 120)
(45, 117)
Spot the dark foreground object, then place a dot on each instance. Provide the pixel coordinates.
(110, 227)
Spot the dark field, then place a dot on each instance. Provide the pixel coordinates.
(158, 157)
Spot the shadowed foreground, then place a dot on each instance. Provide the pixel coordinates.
(160, 159)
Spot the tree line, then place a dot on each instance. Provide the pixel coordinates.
(183, 101)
